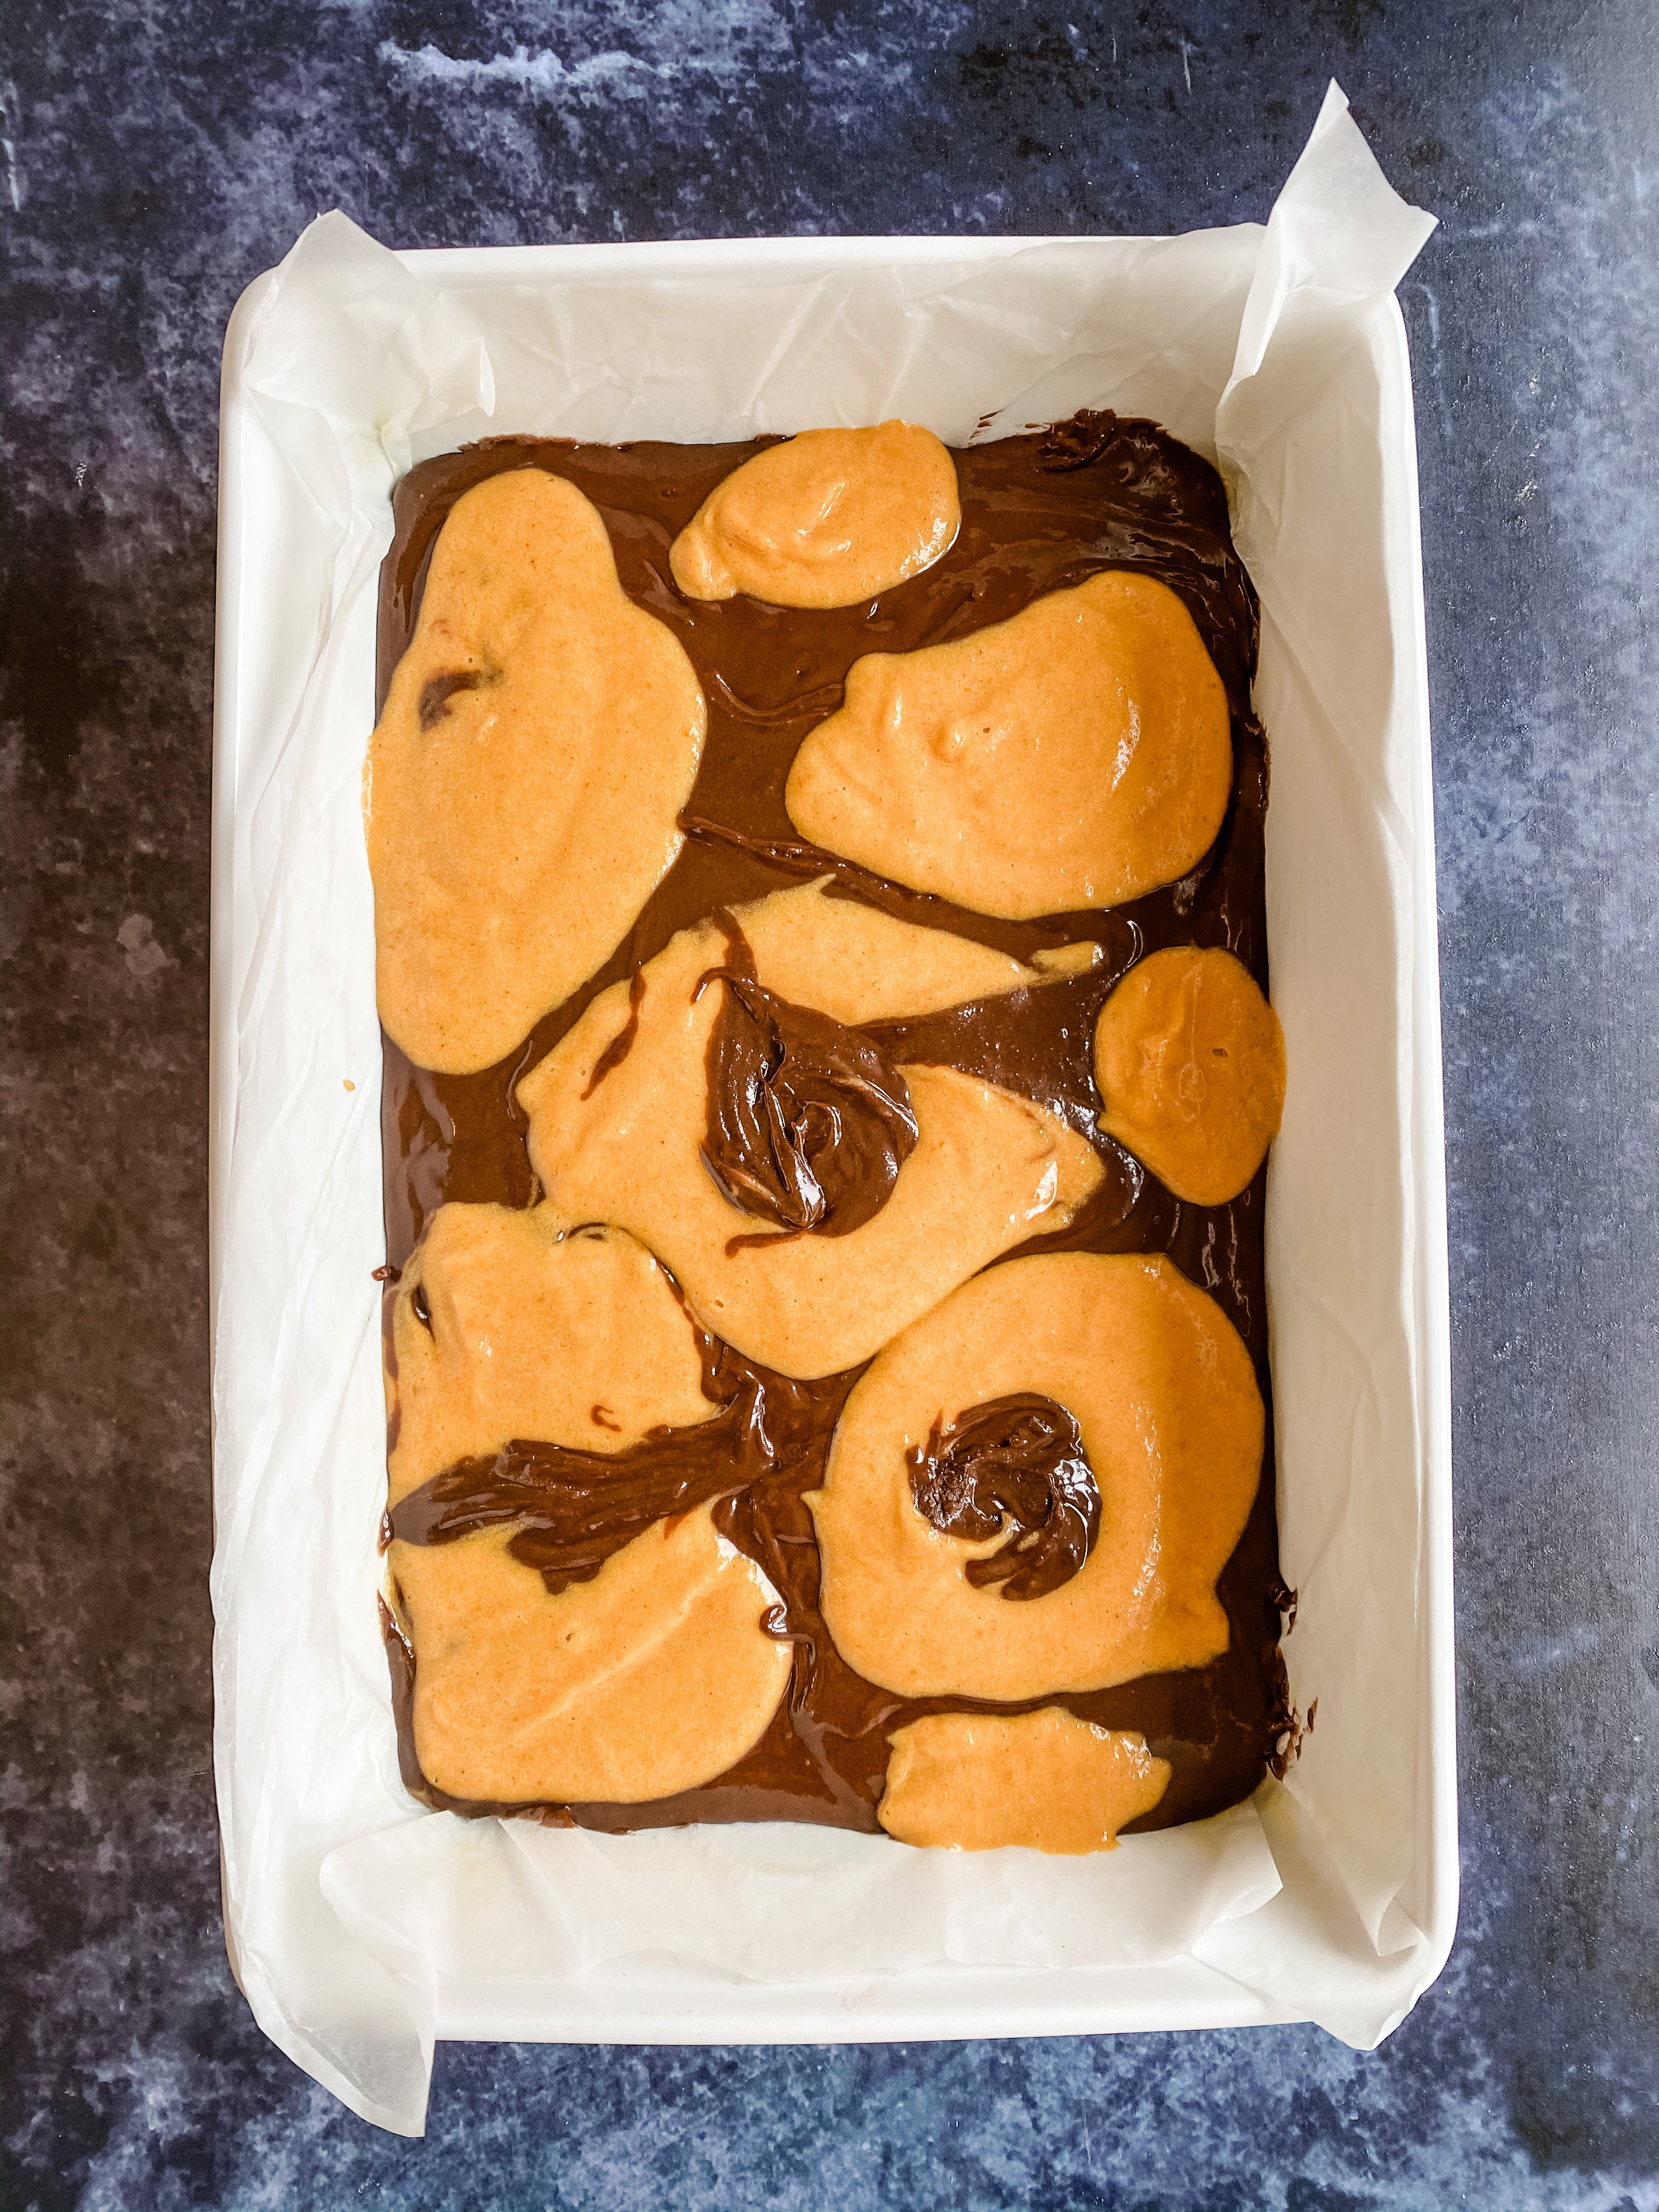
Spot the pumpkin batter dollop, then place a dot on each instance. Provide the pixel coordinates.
(652, 1678)
(1166, 1404)
(1190, 1060)
(522, 785)
(973, 1782)
(987, 1170)
(826, 519)
(505, 1326)
(1076, 756)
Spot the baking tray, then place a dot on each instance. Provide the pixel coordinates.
(359, 1930)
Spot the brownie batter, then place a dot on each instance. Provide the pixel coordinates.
(1040, 514)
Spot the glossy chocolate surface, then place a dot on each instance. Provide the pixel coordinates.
(1014, 1464)
(1040, 511)
(809, 1120)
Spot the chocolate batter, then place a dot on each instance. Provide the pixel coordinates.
(809, 1121)
(1039, 513)
(1015, 1463)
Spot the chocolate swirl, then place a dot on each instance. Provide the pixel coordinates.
(809, 1121)
(1075, 443)
(1015, 1463)
(437, 691)
(573, 1510)
(623, 1043)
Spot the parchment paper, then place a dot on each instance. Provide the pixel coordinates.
(350, 1909)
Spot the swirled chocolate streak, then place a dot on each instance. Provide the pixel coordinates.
(618, 1049)
(809, 1120)
(1040, 511)
(1014, 1465)
(572, 1510)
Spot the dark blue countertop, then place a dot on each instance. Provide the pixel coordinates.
(157, 159)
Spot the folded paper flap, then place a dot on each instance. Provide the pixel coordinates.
(353, 366)
(346, 330)
(1309, 1944)
(1338, 227)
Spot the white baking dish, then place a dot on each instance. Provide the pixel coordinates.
(361, 1926)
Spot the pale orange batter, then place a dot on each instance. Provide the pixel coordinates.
(1163, 1391)
(973, 1782)
(826, 519)
(1189, 1059)
(1074, 756)
(522, 787)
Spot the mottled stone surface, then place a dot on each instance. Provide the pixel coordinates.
(157, 159)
